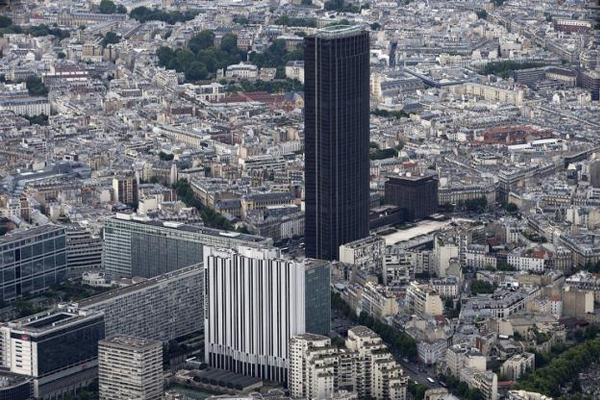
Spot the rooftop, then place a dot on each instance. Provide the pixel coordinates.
(130, 342)
(339, 31)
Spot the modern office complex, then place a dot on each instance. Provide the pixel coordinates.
(162, 308)
(58, 349)
(255, 302)
(336, 137)
(417, 195)
(15, 387)
(130, 368)
(32, 261)
(138, 246)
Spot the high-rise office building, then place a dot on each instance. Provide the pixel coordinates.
(32, 261)
(58, 349)
(139, 246)
(125, 188)
(255, 303)
(336, 139)
(417, 195)
(130, 368)
(162, 308)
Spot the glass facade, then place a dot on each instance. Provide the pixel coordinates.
(72, 345)
(336, 133)
(149, 249)
(32, 261)
(318, 299)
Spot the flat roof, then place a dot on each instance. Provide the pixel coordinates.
(22, 234)
(194, 229)
(339, 31)
(129, 342)
(99, 298)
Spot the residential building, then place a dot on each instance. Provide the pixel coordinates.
(130, 368)
(125, 188)
(365, 254)
(460, 356)
(57, 348)
(378, 301)
(485, 381)
(34, 260)
(162, 308)
(270, 300)
(378, 375)
(313, 365)
(295, 70)
(336, 129)
(518, 365)
(423, 300)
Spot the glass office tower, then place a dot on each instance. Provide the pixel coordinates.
(336, 134)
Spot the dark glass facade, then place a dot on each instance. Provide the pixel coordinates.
(32, 261)
(74, 344)
(336, 134)
(318, 299)
(417, 195)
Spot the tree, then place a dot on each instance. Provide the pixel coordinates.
(202, 41)
(107, 7)
(228, 43)
(375, 26)
(482, 14)
(35, 87)
(512, 207)
(60, 55)
(110, 38)
(196, 71)
(478, 286)
(5, 21)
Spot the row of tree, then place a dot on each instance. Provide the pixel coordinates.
(504, 68)
(564, 368)
(144, 14)
(7, 27)
(211, 218)
(201, 58)
(398, 342)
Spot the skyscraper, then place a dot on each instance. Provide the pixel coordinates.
(336, 134)
(255, 303)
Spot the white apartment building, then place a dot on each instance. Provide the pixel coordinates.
(447, 288)
(313, 365)
(518, 365)
(443, 252)
(477, 256)
(423, 300)
(365, 254)
(485, 381)
(460, 356)
(295, 70)
(378, 376)
(130, 368)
